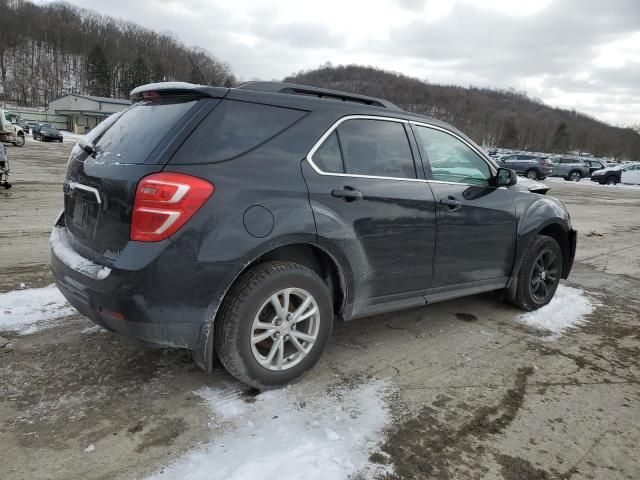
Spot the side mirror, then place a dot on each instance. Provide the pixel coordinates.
(505, 177)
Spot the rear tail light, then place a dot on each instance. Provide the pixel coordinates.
(164, 202)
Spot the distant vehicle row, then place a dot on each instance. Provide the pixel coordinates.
(539, 167)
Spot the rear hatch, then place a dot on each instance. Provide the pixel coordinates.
(105, 167)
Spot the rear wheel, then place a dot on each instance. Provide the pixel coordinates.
(539, 274)
(611, 180)
(575, 176)
(274, 324)
(532, 174)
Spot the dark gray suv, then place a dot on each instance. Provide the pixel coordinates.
(531, 166)
(241, 223)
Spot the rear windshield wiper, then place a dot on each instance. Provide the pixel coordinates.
(89, 148)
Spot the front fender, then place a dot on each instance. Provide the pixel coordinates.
(534, 214)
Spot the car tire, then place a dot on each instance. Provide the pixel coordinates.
(539, 274)
(611, 180)
(575, 176)
(262, 357)
(532, 174)
(20, 141)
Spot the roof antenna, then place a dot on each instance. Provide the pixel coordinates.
(197, 70)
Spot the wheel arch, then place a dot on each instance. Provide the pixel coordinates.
(308, 254)
(545, 216)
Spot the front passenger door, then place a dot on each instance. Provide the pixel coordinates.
(476, 223)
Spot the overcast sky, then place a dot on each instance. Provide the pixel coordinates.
(582, 54)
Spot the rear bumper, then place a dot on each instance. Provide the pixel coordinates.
(154, 293)
(183, 335)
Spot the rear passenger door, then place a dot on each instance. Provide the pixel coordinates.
(368, 199)
(476, 222)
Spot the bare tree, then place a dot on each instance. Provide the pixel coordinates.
(52, 49)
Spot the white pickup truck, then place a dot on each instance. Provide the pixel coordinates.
(10, 131)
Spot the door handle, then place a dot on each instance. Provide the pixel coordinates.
(348, 194)
(451, 203)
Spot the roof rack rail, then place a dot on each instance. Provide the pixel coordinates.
(294, 89)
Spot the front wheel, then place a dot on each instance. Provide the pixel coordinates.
(532, 174)
(575, 176)
(274, 324)
(539, 274)
(19, 141)
(611, 180)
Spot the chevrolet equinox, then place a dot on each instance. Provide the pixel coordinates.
(239, 223)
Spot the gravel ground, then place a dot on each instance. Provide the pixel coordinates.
(470, 392)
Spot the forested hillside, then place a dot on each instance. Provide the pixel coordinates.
(53, 49)
(491, 117)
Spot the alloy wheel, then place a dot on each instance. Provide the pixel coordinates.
(544, 275)
(532, 175)
(575, 176)
(285, 329)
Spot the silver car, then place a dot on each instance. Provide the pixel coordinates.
(569, 168)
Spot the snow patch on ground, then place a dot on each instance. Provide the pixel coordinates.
(70, 136)
(288, 434)
(30, 310)
(568, 309)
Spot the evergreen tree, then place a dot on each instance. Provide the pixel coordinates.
(560, 142)
(509, 137)
(137, 74)
(98, 73)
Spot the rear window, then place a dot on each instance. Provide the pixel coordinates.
(234, 128)
(132, 135)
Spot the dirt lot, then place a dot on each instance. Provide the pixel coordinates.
(468, 391)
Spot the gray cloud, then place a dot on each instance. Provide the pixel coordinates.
(550, 52)
(298, 34)
(560, 38)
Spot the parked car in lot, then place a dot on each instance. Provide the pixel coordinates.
(594, 165)
(31, 124)
(239, 223)
(628, 173)
(24, 125)
(531, 166)
(569, 168)
(45, 131)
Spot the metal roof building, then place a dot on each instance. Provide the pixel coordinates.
(84, 112)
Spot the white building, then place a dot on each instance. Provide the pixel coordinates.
(84, 112)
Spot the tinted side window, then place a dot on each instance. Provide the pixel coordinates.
(450, 159)
(328, 157)
(234, 128)
(376, 147)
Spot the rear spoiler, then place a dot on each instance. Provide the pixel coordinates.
(154, 91)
